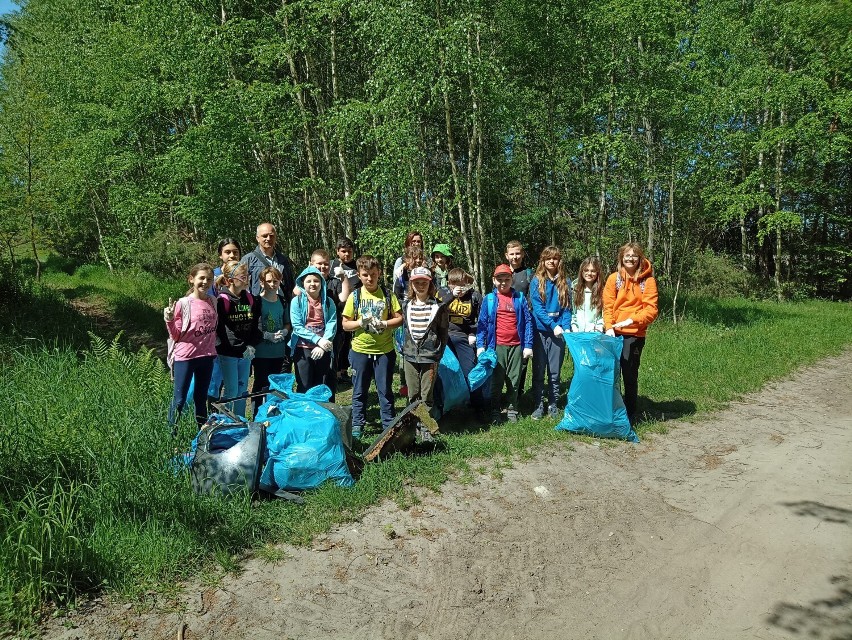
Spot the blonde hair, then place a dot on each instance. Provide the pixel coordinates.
(230, 270)
(596, 288)
(561, 282)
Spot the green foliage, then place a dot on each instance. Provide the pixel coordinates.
(135, 134)
(91, 499)
(713, 275)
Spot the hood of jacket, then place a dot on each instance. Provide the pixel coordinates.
(300, 281)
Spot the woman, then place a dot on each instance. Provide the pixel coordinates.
(630, 305)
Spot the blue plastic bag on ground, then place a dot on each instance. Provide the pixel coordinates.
(595, 406)
(304, 447)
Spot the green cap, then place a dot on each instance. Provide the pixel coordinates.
(443, 248)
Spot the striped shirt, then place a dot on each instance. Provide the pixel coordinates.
(419, 316)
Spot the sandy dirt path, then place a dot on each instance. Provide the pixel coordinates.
(738, 525)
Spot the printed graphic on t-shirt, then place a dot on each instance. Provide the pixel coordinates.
(460, 310)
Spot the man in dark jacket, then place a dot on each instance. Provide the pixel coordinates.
(267, 255)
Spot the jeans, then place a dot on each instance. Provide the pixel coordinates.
(235, 375)
(548, 352)
(184, 371)
(214, 391)
(365, 368)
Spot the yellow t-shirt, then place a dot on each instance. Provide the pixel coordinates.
(371, 303)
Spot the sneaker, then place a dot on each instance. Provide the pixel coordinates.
(356, 431)
(538, 414)
(512, 415)
(553, 411)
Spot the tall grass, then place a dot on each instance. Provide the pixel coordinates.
(90, 500)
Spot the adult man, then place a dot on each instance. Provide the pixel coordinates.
(266, 255)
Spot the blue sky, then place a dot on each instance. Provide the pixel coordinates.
(7, 5)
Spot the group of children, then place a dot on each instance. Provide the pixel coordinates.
(341, 316)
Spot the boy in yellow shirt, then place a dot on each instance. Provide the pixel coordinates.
(372, 313)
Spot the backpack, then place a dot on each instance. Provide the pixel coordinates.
(620, 283)
(185, 306)
(226, 300)
(356, 302)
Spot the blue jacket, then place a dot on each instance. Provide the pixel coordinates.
(486, 328)
(548, 313)
(299, 312)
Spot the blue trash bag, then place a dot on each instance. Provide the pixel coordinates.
(454, 391)
(483, 369)
(304, 447)
(595, 406)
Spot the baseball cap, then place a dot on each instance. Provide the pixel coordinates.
(503, 269)
(444, 249)
(420, 273)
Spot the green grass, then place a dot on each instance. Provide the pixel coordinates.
(90, 501)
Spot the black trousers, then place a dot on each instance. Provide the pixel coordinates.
(631, 356)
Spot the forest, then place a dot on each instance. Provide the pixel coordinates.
(135, 133)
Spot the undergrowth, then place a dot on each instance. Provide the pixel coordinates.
(91, 501)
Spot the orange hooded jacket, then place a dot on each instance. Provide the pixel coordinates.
(630, 301)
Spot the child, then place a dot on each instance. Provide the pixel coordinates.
(343, 267)
(463, 311)
(442, 260)
(227, 249)
(191, 323)
(588, 298)
(275, 326)
(238, 330)
(630, 305)
(521, 276)
(338, 290)
(550, 294)
(372, 313)
(425, 328)
(313, 315)
(414, 258)
(505, 325)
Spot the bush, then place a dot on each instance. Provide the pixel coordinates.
(717, 276)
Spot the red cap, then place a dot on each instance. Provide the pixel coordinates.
(503, 269)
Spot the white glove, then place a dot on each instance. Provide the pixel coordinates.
(365, 322)
(282, 333)
(623, 323)
(270, 336)
(338, 271)
(325, 345)
(610, 333)
(317, 353)
(457, 291)
(480, 351)
(471, 340)
(558, 331)
(527, 354)
(248, 354)
(169, 312)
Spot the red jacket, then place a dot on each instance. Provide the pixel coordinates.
(635, 298)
